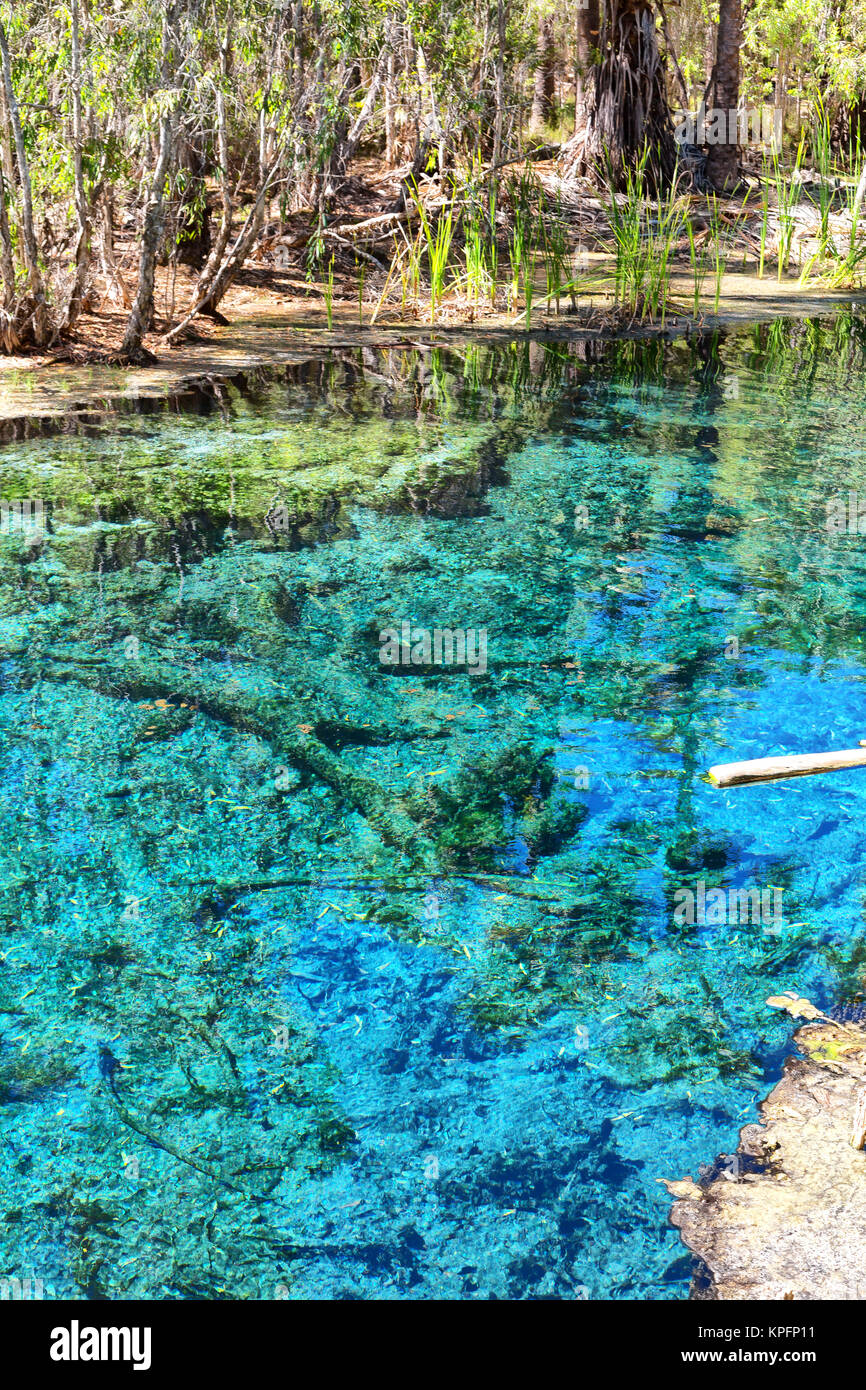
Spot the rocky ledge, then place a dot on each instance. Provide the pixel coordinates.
(785, 1216)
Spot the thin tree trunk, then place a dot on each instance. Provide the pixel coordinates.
(425, 84)
(5, 142)
(109, 261)
(233, 262)
(9, 327)
(10, 333)
(389, 111)
(221, 241)
(140, 317)
(723, 160)
(142, 309)
(7, 261)
(359, 125)
(35, 283)
(672, 54)
(82, 209)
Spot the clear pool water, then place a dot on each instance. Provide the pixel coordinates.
(328, 977)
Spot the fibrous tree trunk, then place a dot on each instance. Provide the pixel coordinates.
(544, 85)
(499, 98)
(628, 107)
(723, 159)
(585, 56)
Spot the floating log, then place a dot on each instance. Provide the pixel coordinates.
(774, 769)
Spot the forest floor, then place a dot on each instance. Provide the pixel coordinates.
(276, 311)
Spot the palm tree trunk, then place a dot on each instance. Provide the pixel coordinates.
(723, 161)
(628, 104)
(545, 76)
(586, 51)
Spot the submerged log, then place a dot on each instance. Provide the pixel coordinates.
(255, 712)
(775, 769)
(784, 1217)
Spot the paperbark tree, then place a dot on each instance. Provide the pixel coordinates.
(40, 320)
(82, 207)
(141, 314)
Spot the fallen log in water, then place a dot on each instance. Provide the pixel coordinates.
(774, 769)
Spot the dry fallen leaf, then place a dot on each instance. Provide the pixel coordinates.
(305, 728)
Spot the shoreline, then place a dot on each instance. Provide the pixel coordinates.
(784, 1215)
(36, 393)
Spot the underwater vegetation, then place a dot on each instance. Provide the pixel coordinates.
(327, 978)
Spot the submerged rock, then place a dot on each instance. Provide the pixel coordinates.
(785, 1217)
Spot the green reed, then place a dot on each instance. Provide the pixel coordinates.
(645, 240)
(438, 234)
(328, 291)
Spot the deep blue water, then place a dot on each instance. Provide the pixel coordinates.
(328, 978)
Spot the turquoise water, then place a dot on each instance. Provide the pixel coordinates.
(327, 977)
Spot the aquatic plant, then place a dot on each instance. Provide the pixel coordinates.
(787, 194)
(699, 260)
(438, 234)
(328, 291)
(645, 238)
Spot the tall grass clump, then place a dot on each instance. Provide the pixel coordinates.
(554, 247)
(437, 233)
(521, 236)
(786, 200)
(492, 246)
(480, 253)
(825, 162)
(645, 241)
